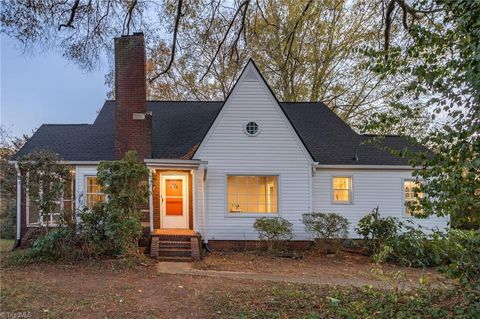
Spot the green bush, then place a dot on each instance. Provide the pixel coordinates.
(8, 219)
(410, 247)
(464, 257)
(326, 229)
(377, 230)
(93, 230)
(457, 251)
(106, 232)
(58, 244)
(275, 231)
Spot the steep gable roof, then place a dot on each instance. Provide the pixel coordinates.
(251, 74)
(179, 127)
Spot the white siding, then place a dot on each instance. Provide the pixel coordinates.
(371, 188)
(81, 173)
(276, 150)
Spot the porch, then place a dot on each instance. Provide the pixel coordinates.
(174, 230)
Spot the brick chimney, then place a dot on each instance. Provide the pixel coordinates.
(132, 123)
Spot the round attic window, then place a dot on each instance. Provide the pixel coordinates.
(251, 128)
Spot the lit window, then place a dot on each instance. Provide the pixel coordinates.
(410, 197)
(342, 189)
(64, 206)
(94, 192)
(251, 128)
(252, 194)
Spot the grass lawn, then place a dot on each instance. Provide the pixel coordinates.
(114, 289)
(6, 244)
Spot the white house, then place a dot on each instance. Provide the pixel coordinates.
(217, 166)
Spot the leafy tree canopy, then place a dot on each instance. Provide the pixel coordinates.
(436, 45)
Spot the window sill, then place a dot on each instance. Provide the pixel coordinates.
(251, 215)
(342, 203)
(40, 225)
(415, 218)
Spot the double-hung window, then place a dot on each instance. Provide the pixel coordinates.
(252, 194)
(64, 207)
(94, 192)
(410, 197)
(342, 189)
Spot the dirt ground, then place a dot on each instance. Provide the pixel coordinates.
(105, 291)
(108, 289)
(355, 269)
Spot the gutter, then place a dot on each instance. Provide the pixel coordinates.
(19, 207)
(365, 167)
(69, 162)
(174, 163)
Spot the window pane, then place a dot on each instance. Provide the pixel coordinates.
(341, 183)
(410, 198)
(33, 213)
(94, 192)
(340, 195)
(342, 187)
(252, 194)
(68, 210)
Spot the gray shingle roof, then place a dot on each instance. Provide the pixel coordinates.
(178, 128)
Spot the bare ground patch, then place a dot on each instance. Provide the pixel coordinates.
(108, 289)
(347, 268)
(104, 290)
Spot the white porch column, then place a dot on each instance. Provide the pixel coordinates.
(19, 202)
(194, 199)
(150, 197)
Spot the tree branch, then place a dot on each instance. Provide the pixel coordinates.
(73, 11)
(174, 42)
(128, 17)
(291, 36)
(230, 25)
(407, 10)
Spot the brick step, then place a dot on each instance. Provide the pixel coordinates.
(175, 259)
(174, 252)
(175, 237)
(154, 247)
(172, 243)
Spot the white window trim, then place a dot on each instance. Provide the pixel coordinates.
(51, 222)
(350, 193)
(228, 214)
(85, 189)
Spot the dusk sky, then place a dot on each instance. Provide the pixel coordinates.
(46, 88)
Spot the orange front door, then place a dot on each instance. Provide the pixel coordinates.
(174, 212)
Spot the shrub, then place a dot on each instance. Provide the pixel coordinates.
(8, 218)
(105, 231)
(410, 247)
(377, 230)
(327, 228)
(59, 244)
(125, 184)
(275, 231)
(93, 230)
(464, 255)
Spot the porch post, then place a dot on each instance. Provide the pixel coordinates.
(150, 197)
(19, 202)
(194, 199)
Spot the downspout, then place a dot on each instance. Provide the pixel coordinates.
(204, 207)
(19, 207)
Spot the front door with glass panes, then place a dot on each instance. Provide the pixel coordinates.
(173, 201)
